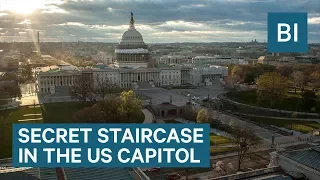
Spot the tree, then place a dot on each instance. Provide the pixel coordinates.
(231, 81)
(237, 70)
(25, 73)
(90, 115)
(245, 139)
(249, 78)
(189, 113)
(81, 88)
(271, 86)
(9, 89)
(309, 100)
(221, 169)
(203, 116)
(299, 80)
(104, 86)
(110, 106)
(285, 70)
(315, 81)
(131, 105)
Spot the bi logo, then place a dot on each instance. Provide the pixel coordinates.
(287, 32)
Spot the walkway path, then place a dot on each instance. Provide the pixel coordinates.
(148, 116)
(26, 120)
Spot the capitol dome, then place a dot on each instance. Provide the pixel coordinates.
(131, 36)
(132, 51)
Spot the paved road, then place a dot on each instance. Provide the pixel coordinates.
(202, 92)
(160, 95)
(261, 132)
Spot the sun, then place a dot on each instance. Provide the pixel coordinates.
(24, 6)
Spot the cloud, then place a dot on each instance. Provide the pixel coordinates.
(159, 20)
(314, 20)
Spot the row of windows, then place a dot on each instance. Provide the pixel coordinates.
(169, 76)
(170, 72)
(132, 38)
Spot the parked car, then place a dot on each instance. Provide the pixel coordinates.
(188, 95)
(173, 176)
(193, 103)
(195, 98)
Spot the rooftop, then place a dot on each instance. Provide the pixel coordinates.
(308, 157)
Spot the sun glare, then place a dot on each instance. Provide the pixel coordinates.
(24, 6)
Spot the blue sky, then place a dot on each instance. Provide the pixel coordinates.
(157, 20)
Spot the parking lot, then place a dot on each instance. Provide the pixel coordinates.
(160, 95)
(179, 96)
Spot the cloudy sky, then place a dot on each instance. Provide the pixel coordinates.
(157, 20)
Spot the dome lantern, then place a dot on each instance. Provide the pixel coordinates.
(132, 20)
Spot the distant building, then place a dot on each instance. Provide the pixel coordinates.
(103, 58)
(217, 60)
(293, 60)
(172, 59)
(205, 75)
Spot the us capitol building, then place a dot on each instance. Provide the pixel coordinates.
(131, 69)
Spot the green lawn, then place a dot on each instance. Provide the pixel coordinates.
(172, 121)
(218, 140)
(221, 150)
(290, 102)
(9, 117)
(301, 126)
(51, 113)
(61, 112)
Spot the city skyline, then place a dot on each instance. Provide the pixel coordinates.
(159, 21)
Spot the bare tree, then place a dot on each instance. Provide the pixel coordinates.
(232, 81)
(299, 80)
(189, 113)
(314, 81)
(104, 86)
(82, 88)
(245, 139)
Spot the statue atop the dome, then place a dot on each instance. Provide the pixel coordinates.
(132, 20)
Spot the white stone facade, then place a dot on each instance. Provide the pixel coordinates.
(170, 76)
(205, 75)
(129, 77)
(47, 81)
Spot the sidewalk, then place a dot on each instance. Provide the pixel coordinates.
(148, 117)
(281, 118)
